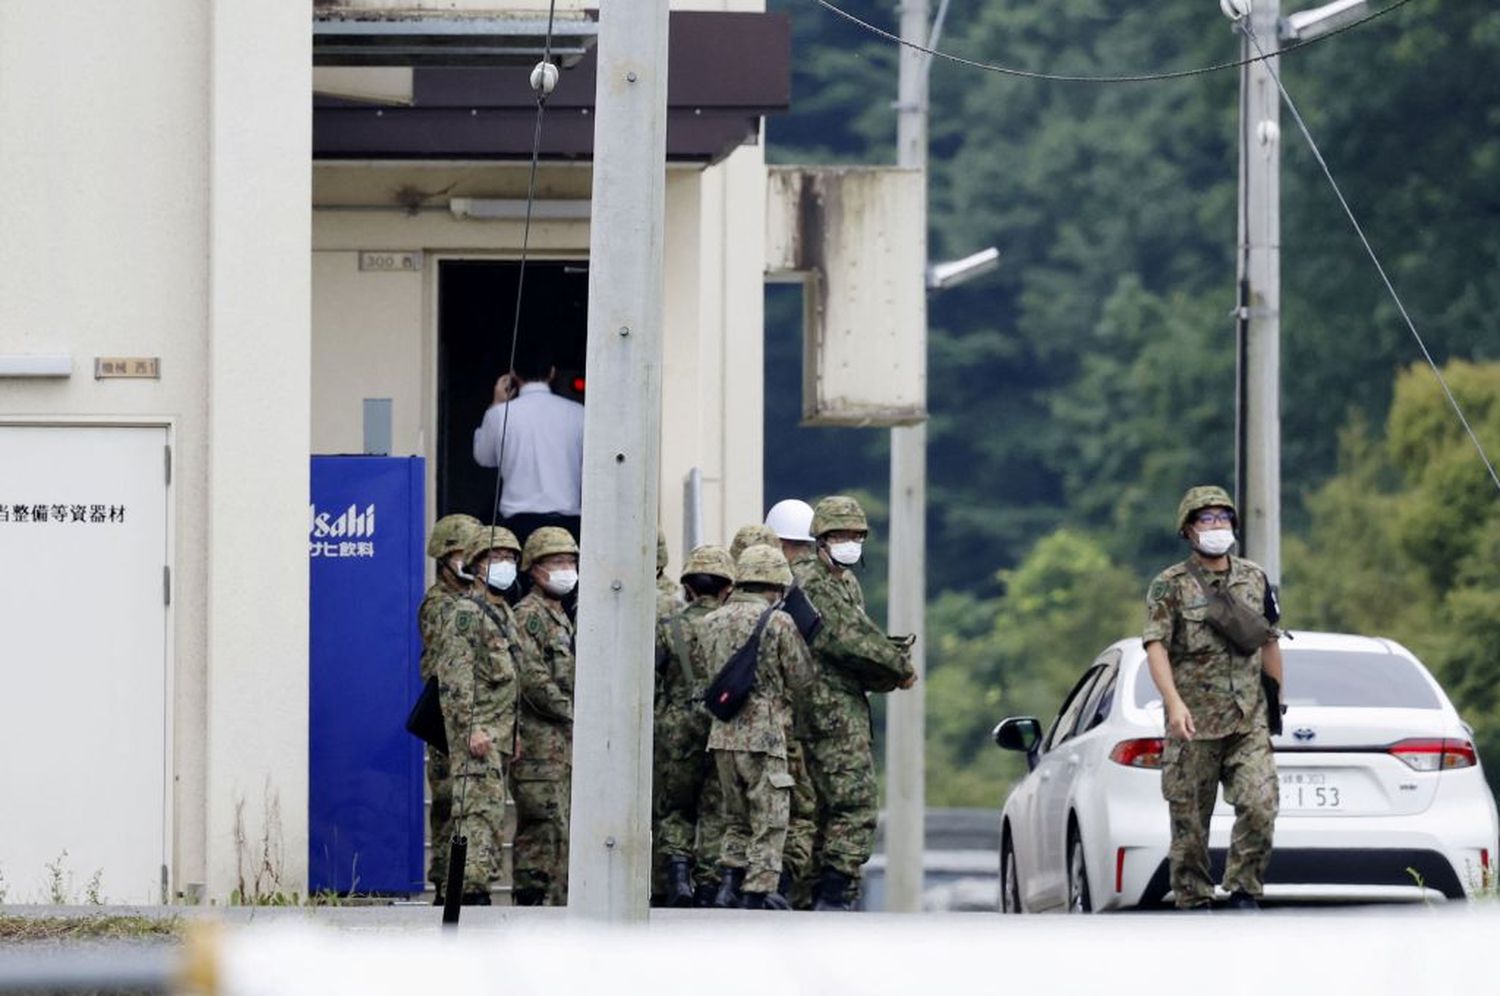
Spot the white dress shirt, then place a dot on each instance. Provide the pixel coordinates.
(543, 451)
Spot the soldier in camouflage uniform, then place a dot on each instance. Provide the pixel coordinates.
(854, 657)
(791, 520)
(542, 778)
(478, 684)
(668, 595)
(445, 545)
(1215, 708)
(684, 792)
(751, 535)
(749, 750)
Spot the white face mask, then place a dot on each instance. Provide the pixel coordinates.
(846, 553)
(456, 565)
(501, 575)
(1215, 542)
(560, 581)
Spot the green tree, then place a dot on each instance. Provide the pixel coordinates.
(1018, 655)
(1405, 540)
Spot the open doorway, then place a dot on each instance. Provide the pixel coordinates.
(476, 309)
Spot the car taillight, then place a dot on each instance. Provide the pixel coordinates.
(1143, 753)
(1434, 754)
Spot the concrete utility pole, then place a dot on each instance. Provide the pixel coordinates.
(906, 719)
(609, 869)
(1258, 412)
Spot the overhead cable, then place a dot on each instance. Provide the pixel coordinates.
(1458, 410)
(1149, 77)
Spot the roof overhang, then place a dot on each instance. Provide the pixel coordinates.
(726, 71)
(345, 37)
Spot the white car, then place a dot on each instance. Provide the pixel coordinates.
(1382, 793)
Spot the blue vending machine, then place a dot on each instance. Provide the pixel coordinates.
(365, 780)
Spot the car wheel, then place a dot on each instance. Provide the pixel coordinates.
(1010, 884)
(1078, 877)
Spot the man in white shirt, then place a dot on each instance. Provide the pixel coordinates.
(542, 463)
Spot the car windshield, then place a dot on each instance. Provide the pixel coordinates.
(1335, 678)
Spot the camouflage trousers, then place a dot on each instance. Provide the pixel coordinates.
(481, 789)
(841, 759)
(757, 804)
(802, 828)
(543, 793)
(681, 770)
(1192, 771)
(440, 784)
(708, 853)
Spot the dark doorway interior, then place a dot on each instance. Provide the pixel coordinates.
(476, 308)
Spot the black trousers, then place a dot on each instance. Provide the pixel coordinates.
(523, 524)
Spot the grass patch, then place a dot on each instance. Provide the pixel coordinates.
(89, 928)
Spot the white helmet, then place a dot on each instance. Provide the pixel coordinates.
(791, 519)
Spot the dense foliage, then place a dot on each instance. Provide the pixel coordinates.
(1078, 390)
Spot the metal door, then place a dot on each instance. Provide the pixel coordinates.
(83, 662)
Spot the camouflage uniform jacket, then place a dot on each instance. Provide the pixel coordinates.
(477, 678)
(546, 681)
(853, 653)
(783, 668)
(432, 618)
(682, 674)
(668, 598)
(1220, 687)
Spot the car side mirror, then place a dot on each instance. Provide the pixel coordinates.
(1020, 733)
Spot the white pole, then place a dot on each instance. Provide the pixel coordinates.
(906, 725)
(610, 862)
(1260, 272)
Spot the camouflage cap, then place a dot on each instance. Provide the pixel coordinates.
(1199, 498)
(450, 534)
(661, 551)
(762, 564)
(545, 542)
(487, 538)
(749, 536)
(836, 513)
(711, 560)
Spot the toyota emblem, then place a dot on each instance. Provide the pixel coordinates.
(1304, 734)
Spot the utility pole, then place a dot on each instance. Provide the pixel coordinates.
(906, 720)
(1258, 315)
(609, 867)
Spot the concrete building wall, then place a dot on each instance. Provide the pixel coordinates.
(374, 333)
(155, 159)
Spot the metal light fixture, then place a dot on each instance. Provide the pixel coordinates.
(1305, 25)
(941, 276)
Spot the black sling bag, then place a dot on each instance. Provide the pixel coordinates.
(731, 687)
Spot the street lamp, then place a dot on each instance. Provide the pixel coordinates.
(1305, 25)
(941, 276)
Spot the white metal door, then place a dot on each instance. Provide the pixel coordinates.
(83, 662)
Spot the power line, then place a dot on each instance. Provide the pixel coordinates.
(459, 845)
(991, 67)
(1359, 230)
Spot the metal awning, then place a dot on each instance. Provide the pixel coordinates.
(726, 71)
(366, 38)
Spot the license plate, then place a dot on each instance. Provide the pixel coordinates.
(1313, 790)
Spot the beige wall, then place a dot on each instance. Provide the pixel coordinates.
(374, 333)
(100, 262)
(155, 161)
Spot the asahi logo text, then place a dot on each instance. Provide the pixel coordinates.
(351, 523)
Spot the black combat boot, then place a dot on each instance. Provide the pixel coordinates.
(1241, 901)
(475, 899)
(679, 883)
(703, 895)
(530, 896)
(728, 896)
(766, 901)
(834, 892)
